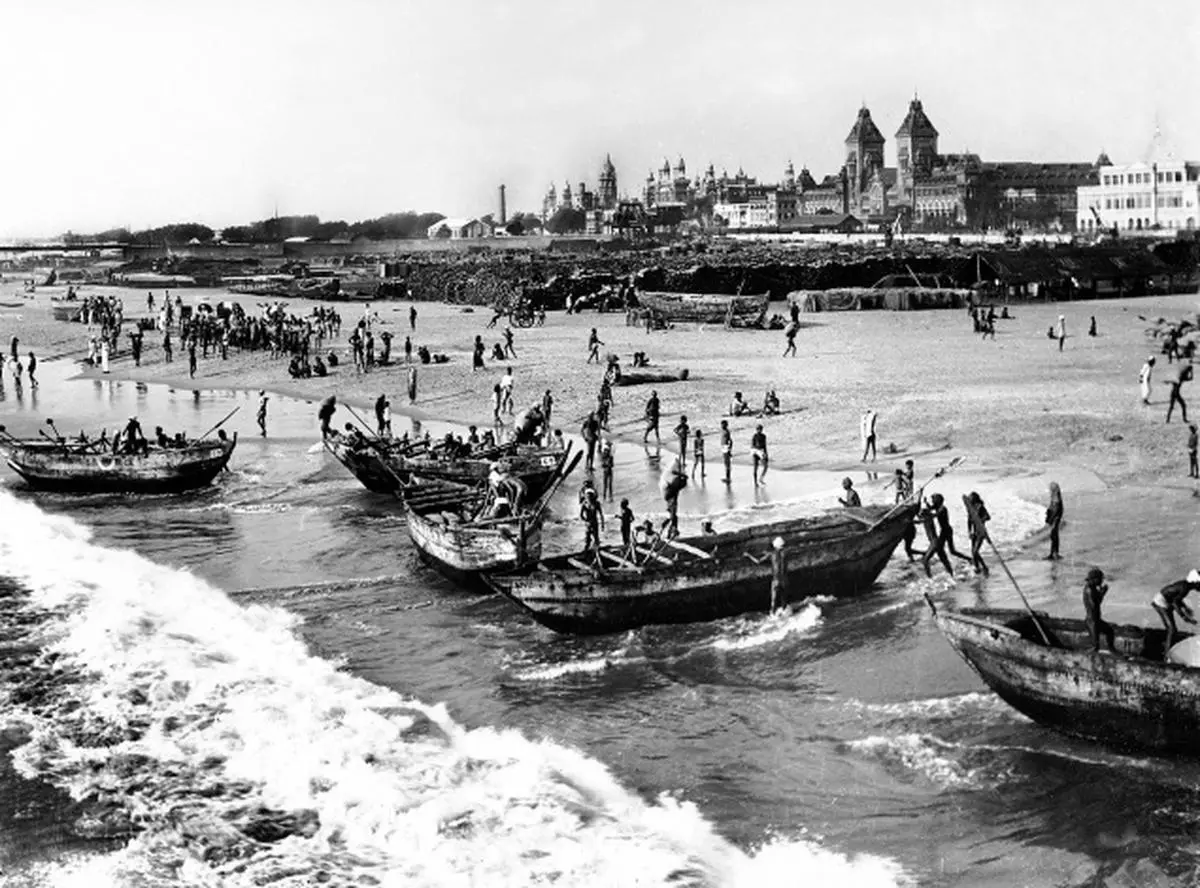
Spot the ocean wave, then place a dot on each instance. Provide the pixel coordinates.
(591, 665)
(206, 731)
(941, 762)
(746, 633)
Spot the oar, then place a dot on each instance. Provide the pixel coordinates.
(218, 425)
(954, 463)
(978, 523)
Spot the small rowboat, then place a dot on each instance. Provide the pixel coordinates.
(371, 460)
(694, 579)
(83, 468)
(706, 308)
(536, 467)
(445, 525)
(66, 309)
(646, 377)
(1131, 701)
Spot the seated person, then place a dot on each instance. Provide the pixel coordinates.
(497, 352)
(332, 359)
(319, 368)
(645, 534)
(423, 354)
(738, 407)
(770, 403)
(160, 437)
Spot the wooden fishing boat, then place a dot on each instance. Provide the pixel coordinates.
(87, 468)
(535, 466)
(1131, 701)
(66, 309)
(706, 308)
(694, 579)
(646, 377)
(450, 533)
(372, 460)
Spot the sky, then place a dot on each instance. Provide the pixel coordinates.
(140, 113)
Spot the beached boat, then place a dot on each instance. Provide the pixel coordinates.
(1133, 701)
(372, 460)
(536, 467)
(647, 377)
(88, 468)
(706, 308)
(66, 309)
(449, 532)
(694, 579)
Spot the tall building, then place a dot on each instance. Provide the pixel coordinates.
(606, 192)
(916, 150)
(864, 155)
(1159, 192)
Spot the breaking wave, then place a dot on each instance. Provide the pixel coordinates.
(205, 732)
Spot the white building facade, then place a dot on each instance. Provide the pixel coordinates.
(1161, 195)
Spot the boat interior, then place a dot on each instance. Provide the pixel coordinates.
(1072, 634)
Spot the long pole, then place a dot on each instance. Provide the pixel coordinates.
(221, 423)
(979, 524)
(917, 492)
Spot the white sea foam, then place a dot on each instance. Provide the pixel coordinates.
(757, 631)
(590, 665)
(190, 715)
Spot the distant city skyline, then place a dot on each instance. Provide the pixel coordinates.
(139, 114)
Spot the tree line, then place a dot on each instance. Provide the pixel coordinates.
(393, 225)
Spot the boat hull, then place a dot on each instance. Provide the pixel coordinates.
(841, 559)
(637, 377)
(464, 553)
(706, 308)
(367, 465)
(66, 310)
(536, 469)
(1132, 702)
(45, 467)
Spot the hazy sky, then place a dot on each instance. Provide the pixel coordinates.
(143, 112)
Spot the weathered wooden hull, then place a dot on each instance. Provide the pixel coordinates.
(536, 467)
(829, 555)
(66, 310)
(706, 308)
(463, 553)
(1132, 701)
(638, 377)
(368, 465)
(47, 467)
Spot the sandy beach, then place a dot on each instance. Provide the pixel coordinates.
(1015, 402)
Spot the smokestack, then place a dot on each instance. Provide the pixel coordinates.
(503, 211)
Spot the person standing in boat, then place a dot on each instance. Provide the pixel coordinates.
(1054, 517)
(1169, 601)
(626, 517)
(547, 409)
(1094, 590)
(592, 517)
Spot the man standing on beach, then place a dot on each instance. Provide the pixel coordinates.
(590, 432)
(325, 414)
(1182, 376)
(262, 412)
(758, 452)
(867, 432)
(1144, 378)
(1193, 441)
(726, 449)
(547, 409)
(509, 351)
(412, 385)
(1062, 331)
(652, 413)
(412, 317)
(594, 344)
(681, 433)
(506, 387)
(790, 333)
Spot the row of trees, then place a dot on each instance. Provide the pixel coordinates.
(393, 225)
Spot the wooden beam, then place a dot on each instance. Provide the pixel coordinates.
(687, 547)
(579, 565)
(618, 560)
(642, 550)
